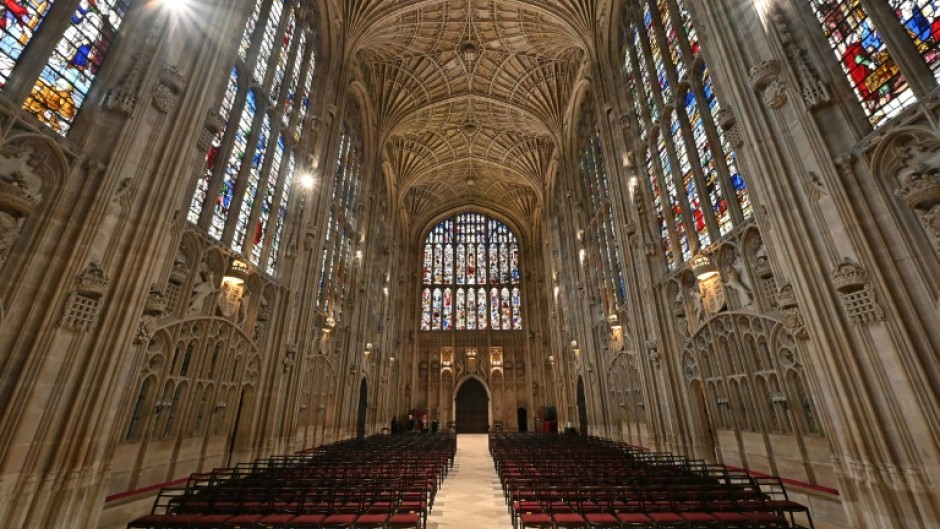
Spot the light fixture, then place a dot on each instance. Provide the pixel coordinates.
(368, 350)
(703, 268)
(614, 323)
(177, 6)
(237, 272)
(496, 359)
(307, 181)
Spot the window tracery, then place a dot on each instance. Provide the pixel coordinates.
(691, 166)
(242, 197)
(471, 276)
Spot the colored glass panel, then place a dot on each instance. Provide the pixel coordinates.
(426, 310)
(280, 68)
(202, 185)
(256, 163)
(690, 34)
(448, 321)
(481, 309)
(688, 182)
(471, 310)
(230, 178)
(461, 314)
(19, 20)
(656, 193)
(672, 38)
(713, 189)
(281, 221)
(670, 186)
(67, 77)
(517, 309)
(659, 63)
(290, 97)
(737, 179)
(250, 28)
(921, 20)
(644, 76)
(269, 41)
(269, 192)
(877, 80)
(306, 93)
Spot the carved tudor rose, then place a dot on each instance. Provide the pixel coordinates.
(766, 81)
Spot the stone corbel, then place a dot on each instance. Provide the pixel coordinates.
(765, 81)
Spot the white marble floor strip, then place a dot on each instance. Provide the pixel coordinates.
(471, 497)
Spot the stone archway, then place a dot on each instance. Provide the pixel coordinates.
(582, 408)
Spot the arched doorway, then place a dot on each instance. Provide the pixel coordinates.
(473, 407)
(522, 418)
(582, 408)
(363, 408)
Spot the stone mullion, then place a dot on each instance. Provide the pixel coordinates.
(254, 216)
(251, 58)
(36, 54)
(277, 48)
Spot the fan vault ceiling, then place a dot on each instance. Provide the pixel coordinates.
(469, 95)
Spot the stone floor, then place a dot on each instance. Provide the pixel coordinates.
(471, 497)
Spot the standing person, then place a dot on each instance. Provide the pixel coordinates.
(434, 425)
(395, 425)
(411, 422)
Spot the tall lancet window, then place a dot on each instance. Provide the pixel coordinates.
(242, 195)
(340, 242)
(471, 276)
(71, 66)
(603, 252)
(869, 60)
(698, 194)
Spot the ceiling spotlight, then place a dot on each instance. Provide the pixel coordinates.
(307, 181)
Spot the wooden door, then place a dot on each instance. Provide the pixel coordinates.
(473, 405)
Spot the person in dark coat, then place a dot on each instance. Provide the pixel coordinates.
(395, 426)
(434, 425)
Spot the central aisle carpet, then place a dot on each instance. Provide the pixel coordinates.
(471, 497)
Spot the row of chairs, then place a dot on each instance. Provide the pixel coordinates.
(570, 482)
(381, 482)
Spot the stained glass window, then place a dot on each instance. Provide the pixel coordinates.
(19, 21)
(64, 82)
(601, 232)
(338, 249)
(921, 21)
(877, 80)
(690, 162)
(462, 252)
(243, 195)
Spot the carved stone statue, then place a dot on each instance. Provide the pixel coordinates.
(243, 307)
(698, 307)
(204, 288)
(736, 279)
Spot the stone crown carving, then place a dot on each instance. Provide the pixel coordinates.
(786, 297)
(922, 188)
(17, 198)
(93, 282)
(849, 276)
(156, 302)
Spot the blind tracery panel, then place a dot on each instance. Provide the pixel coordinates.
(471, 276)
(691, 167)
(242, 196)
